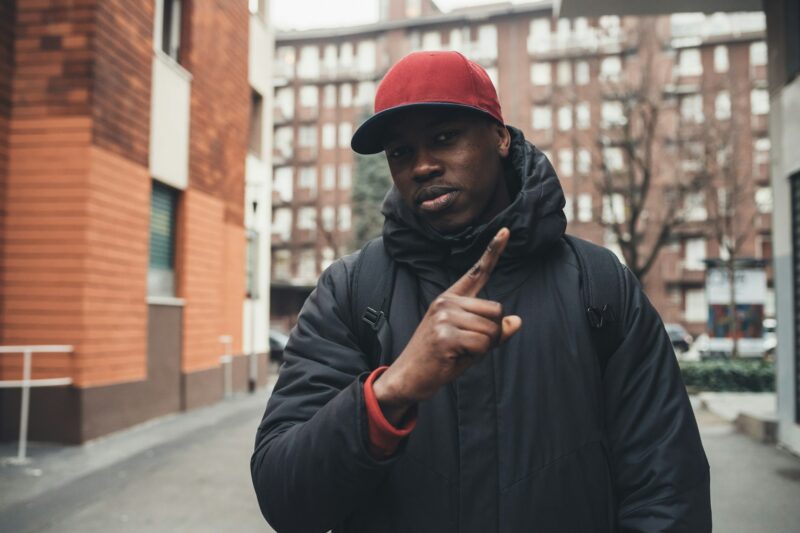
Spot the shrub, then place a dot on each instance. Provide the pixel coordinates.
(729, 375)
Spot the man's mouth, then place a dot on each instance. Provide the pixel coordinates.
(435, 199)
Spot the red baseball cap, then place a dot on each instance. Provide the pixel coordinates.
(427, 79)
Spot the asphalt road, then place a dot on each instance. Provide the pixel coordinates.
(200, 482)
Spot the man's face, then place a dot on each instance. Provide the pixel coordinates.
(447, 165)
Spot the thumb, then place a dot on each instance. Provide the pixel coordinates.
(511, 324)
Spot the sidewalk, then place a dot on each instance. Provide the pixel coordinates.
(752, 413)
(173, 453)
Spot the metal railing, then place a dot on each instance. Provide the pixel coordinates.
(26, 383)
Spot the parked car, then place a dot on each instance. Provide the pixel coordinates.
(680, 338)
(770, 336)
(277, 343)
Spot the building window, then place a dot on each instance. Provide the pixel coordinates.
(328, 136)
(456, 41)
(542, 118)
(564, 73)
(256, 122)
(308, 66)
(344, 218)
(722, 105)
(284, 61)
(329, 59)
(366, 57)
(345, 177)
(565, 117)
(308, 178)
(694, 206)
(283, 183)
(764, 200)
(695, 308)
(540, 74)
(612, 114)
(584, 161)
(690, 63)
(307, 136)
(568, 208)
(346, 95)
(282, 223)
(539, 35)
(721, 58)
(761, 148)
(309, 96)
(307, 266)
(613, 158)
(613, 209)
(758, 54)
(582, 75)
(487, 41)
(284, 103)
(252, 262)
(307, 219)
(694, 254)
(329, 96)
(346, 57)
(366, 93)
(413, 8)
(610, 69)
(759, 102)
(282, 264)
(692, 108)
(329, 177)
(328, 218)
(328, 257)
(345, 133)
(161, 271)
(432, 41)
(585, 207)
(583, 116)
(171, 29)
(284, 142)
(565, 167)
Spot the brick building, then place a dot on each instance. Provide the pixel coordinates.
(125, 216)
(554, 79)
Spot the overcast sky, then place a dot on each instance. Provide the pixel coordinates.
(303, 14)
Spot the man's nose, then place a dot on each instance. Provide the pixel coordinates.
(426, 166)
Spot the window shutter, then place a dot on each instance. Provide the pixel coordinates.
(162, 228)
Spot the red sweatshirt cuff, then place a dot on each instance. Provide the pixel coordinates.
(384, 438)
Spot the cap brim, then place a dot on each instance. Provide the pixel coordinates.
(369, 138)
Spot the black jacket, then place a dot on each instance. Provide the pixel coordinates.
(531, 439)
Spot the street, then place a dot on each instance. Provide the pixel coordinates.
(195, 477)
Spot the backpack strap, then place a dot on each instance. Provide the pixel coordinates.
(601, 290)
(372, 284)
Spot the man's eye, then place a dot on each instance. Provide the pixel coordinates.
(445, 135)
(399, 151)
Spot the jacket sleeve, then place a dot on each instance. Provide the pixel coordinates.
(311, 467)
(660, 469)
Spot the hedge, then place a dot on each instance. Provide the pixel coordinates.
(729, 375)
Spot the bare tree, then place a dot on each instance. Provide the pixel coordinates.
(644, 197)
(718, 146)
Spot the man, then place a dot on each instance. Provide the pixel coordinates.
(491, 413)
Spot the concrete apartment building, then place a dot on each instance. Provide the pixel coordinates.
(135, 185)
(553, 77)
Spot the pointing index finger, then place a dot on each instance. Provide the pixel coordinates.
(476, 277)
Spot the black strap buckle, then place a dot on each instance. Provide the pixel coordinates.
(372, 318)
(599, 317)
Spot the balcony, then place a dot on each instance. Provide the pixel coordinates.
(169, 121)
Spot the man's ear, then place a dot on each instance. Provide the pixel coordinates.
(503, 139)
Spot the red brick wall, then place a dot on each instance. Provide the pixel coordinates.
(215, 49)
(75, 236)
(122, 72)
(6, 69)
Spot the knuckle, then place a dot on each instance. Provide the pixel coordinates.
(442, 317)
(439, 303)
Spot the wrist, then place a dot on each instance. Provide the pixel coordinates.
(393, 403)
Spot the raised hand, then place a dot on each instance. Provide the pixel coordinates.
(457, 331)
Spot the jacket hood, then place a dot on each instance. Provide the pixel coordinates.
(535, 217)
